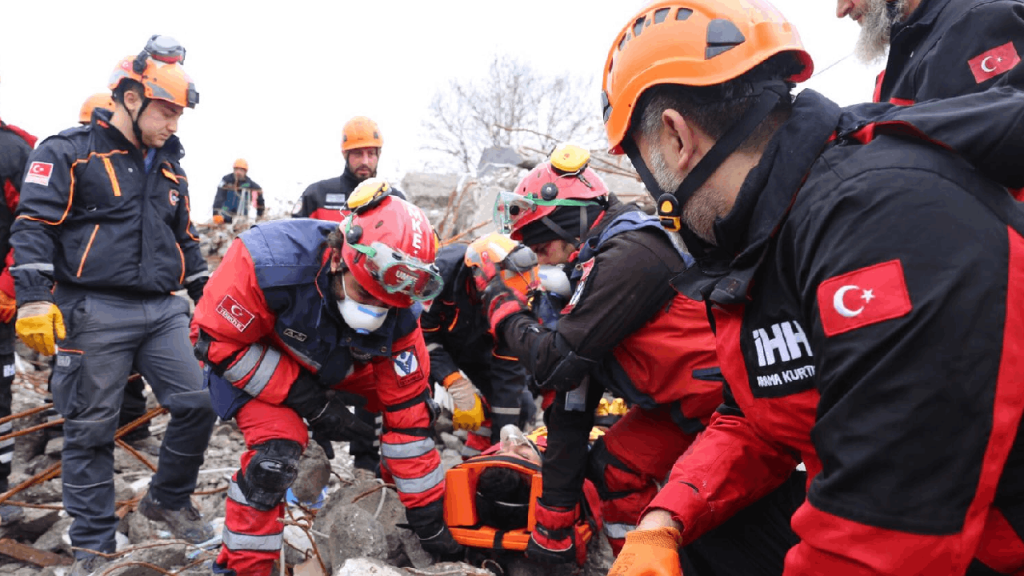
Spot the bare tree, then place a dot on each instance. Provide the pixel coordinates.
(512, 106)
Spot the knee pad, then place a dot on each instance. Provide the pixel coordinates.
(270, 473)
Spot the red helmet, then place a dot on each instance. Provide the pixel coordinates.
(564, 180)
(389, 246)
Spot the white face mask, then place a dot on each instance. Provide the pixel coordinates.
(553, 279)
(363, 318)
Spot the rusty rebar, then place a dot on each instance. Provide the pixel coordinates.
(135, 453)
(50, 472)
(32, 429)
(25, 413)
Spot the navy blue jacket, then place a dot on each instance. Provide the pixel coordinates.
(92, 217)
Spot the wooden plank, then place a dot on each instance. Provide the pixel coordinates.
(24, 553)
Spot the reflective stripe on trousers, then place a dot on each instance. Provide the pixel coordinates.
(421, 484)
(268, 543)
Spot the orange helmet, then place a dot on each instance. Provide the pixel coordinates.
(389, 246)
(100, 100)
(241, 163)
(360, 132)
(565, 180)
(696, 43)
(158, 68)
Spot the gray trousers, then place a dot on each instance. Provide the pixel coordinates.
(106, 335)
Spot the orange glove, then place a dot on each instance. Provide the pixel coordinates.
(649, 553)
(7, 307)
(218, 219)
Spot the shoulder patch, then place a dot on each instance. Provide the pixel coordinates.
(863, 297)
(994, 62)
(235, 313)
(407, 366)
(39, 173)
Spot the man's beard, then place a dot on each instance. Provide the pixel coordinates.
(875, 27)
(360, 177)
(700, 211)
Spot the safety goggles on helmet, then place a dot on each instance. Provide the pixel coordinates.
(162, 48)
(511, 208)
(395, 272)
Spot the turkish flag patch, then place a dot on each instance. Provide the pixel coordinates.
(993, 62)
(39, 173)
(862, 297)
(235, 313)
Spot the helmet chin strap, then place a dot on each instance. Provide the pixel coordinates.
(769, 94)
(564, 234)
(135, 122)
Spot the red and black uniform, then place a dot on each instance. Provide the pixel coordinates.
(15, 146)
(325, 199)
(948, 48)
(867, 326)
(261, 326)
(458, 338)
(624, 330)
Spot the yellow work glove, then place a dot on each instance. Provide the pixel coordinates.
(469, 410)
(218, 219)
(7, 307)
(38, 323)
(649, 553)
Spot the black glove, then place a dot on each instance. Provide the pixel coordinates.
(329, 418)
(195, 288)
(428, 524)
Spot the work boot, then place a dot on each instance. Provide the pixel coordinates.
(10, 514)
(185, 523)
(88, 566)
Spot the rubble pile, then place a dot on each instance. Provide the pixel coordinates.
(355, 530)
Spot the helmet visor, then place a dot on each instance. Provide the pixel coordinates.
(399, 274)
(509, 209)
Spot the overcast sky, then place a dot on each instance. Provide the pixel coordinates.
(277, 83)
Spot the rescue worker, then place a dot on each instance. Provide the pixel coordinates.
(361, 144)
(937, 48)
(102, 238)
(133, 406)
(234, 193)
(860, 280)
(15, 147)
(298, 308)
(624, 330)
(464, 358)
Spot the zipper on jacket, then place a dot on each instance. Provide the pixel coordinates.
(87, 247)
(113, 175)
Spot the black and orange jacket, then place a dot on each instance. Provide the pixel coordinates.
(458, 338)
(949, 48)
(868, 320)
(92, 217)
